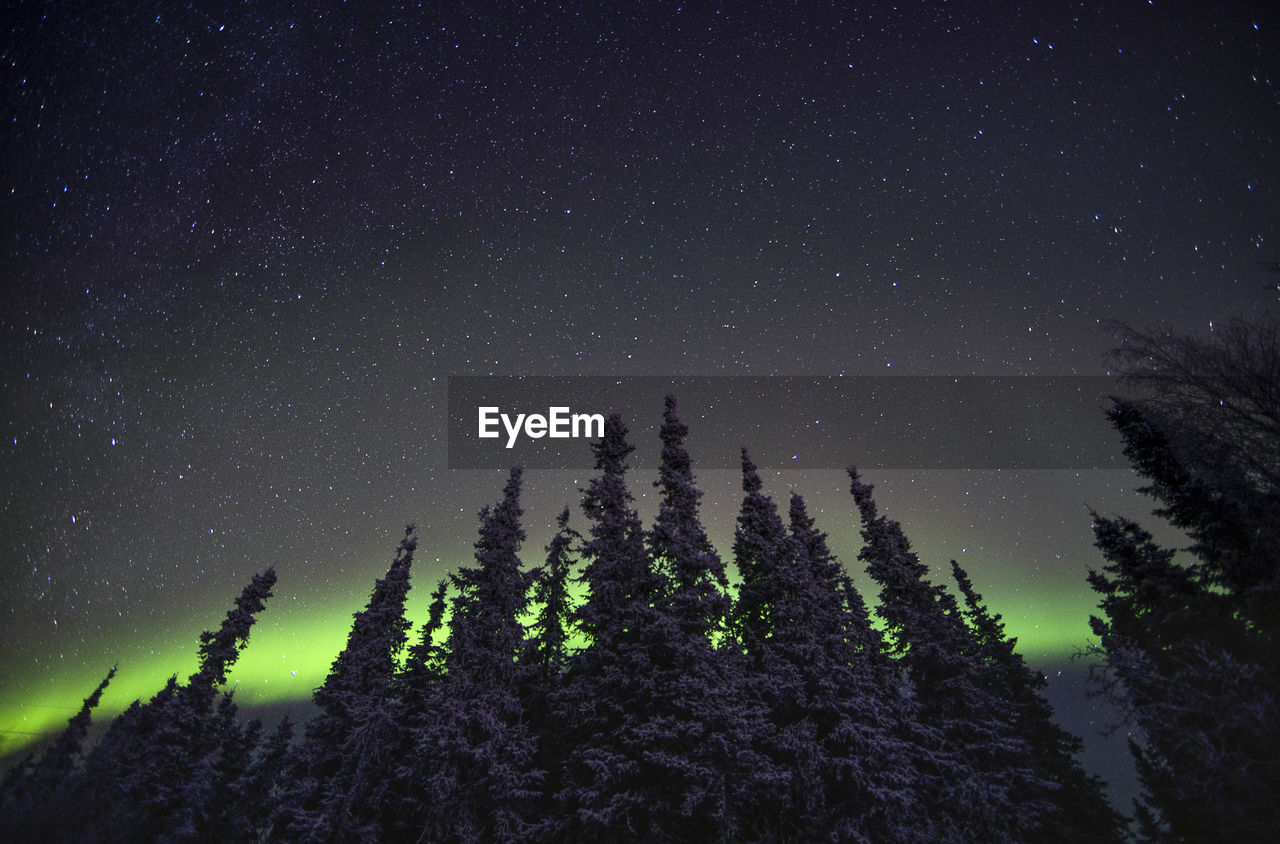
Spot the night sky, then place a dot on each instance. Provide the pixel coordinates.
(245, 246)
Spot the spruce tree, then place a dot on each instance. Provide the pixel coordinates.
(853, 696)
(772, 594)
(1193, 676)
(633, 767)
(548, 657)
(549, 635)
(149, 775)
(1081, 811)
(425, 662)
(476, 754)
(339, 785)
(705, 727)
(1190, 643)
(415, 688)
(697, 600)
(977, 771)
(250, 799)
(33, 791)
(843, 769)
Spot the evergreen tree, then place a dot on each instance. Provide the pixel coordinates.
(1081, 811)
(853, 696)
(338, 781)
(772, 594)
(404, 808)
(547, 655)
(622, 586)
(32, 790)
(425, 662)
(476, 752)
(220, 650)
(549, 635)
(214, 803)
(636, 766)
(148, 776)
(843, 769)
(678, 543)
(250, 798)
(1193, 677)
(977, 770)
(1189, 645)
(704, 727)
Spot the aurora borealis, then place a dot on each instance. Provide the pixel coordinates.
(246, 247)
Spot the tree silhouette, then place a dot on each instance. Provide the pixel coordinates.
(338, 786)
(32, 790)
(150, 773)
(977, 770)
(657, 708)
(1190, 648)
(475, 749)
(1080, 812)
(637, 725)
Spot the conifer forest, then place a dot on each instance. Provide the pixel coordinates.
(614, 686)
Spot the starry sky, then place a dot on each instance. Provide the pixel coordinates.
(246, 245)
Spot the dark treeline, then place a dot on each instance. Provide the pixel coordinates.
(663, 705)
(655, 708)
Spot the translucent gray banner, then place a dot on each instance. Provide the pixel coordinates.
(891, 422)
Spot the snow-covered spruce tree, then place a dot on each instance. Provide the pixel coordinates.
(548, 638)
(148, 777)
(1081, 811)
(546, 653)
(1190, 646)
(413, 691)
(245, 806)
(475, 751)
(854, 697)
(628, 772)
(772, 593)
(708, 729)
(33, 791)
(832, 739)
(424, 665)
(339, 779)
(697, 599)
(217, 805)
(977, 772)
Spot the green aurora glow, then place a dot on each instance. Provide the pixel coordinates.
(293, 645)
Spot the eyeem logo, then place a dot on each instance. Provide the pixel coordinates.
(559, 423)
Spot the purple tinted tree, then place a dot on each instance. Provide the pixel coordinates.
(1081, 812)
(475, 751)
(339, 789)
(639, 758)
(977, 772)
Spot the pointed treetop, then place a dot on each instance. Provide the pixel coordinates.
(678, 541)
(425, 657)
(548, 634)
(219, 651)
(675, 459)
(511, 492)
(750, 478)
(485, 633)
(363, 670)
(862, 495)
(612, 450)
(810, 538)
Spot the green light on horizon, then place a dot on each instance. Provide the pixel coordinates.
(294, 643)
